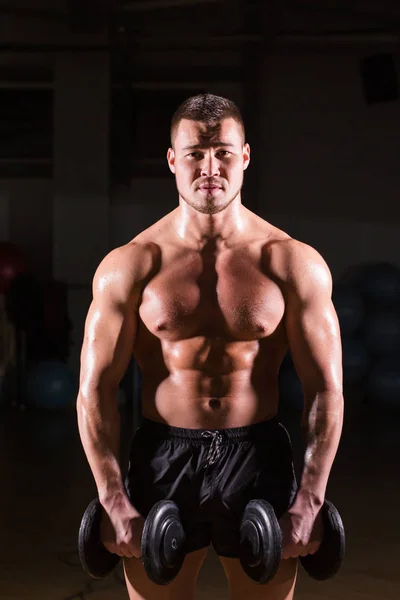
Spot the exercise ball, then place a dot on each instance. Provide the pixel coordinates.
(380, 333)
(12, 263)
(290, 388)
(355, 360)
(50, 385)
(383, 382)
(380, 285)
(349, 307)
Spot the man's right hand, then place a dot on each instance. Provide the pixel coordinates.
(121, 528)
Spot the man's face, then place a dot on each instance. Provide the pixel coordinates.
(208, 163)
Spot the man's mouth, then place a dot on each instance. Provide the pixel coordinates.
(210, 186)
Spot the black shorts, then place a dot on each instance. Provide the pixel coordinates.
(211, 475)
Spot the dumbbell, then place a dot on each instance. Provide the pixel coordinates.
(162, 543)
(261, 543)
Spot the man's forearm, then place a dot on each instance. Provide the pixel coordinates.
(322, 425)
(99, 428)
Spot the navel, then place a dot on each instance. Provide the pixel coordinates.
(214, 403)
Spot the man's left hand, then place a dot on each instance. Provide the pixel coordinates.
(302, 532)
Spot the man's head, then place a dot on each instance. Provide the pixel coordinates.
(207, 109)
(208, 154)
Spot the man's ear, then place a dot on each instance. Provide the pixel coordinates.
(171, 159)
(246, 156)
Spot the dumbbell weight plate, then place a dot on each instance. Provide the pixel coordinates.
(326, 562)
(260, 541)
(163, 543)
(96, 560)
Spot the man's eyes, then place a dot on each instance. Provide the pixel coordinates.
(200, 155)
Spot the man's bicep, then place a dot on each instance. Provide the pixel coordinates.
(314, 341)
(109, 337)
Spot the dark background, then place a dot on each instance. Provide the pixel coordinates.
(87, 90)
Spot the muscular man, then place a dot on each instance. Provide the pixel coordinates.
(208, 300)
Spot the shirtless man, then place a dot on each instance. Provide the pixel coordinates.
(208, 300)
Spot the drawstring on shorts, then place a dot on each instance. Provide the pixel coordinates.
(214, 451)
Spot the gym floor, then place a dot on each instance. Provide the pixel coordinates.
(46, 485)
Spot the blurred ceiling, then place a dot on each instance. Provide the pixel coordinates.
(181, 17)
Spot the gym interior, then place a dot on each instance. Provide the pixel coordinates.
(87, 91)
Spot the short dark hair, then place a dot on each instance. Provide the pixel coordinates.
(207, 108)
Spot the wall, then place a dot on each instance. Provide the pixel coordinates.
(26, 220)
(330, 171)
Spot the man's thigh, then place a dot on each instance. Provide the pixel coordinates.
(181, 588)
(281, 587)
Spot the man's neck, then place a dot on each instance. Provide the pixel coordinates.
(197, 228)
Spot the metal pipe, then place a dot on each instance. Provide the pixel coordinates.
(374, 14)
(339, 37)
(183, 43)
(30, 85)
(34, 13)
(157, 4)
(16, 47)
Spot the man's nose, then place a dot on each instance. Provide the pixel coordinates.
(210, 167)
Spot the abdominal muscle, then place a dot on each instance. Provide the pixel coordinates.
(197, 398)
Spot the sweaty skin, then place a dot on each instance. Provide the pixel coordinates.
(209, 300)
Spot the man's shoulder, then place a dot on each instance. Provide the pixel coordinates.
(294, 261)
(131, 263)
(280, 245)
(141, 258)
(291, 249)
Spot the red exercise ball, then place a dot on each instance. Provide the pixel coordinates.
(12, 263)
